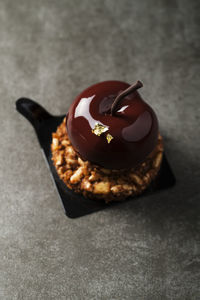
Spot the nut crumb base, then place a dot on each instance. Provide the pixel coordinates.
(96, 182)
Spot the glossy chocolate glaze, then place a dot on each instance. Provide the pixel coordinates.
(134, 126)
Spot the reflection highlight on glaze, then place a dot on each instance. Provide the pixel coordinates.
(83, 110)
(122, 109)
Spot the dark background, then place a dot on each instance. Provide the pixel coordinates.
(144, 249)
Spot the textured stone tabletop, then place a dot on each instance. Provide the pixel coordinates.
(143, 249)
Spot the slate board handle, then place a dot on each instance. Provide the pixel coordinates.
(32, 111)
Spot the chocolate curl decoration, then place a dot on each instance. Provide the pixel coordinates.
(125, 93)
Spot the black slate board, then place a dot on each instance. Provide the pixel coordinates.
(76, 205)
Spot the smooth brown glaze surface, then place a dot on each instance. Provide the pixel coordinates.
(134, 126)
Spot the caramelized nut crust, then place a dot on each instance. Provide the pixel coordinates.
(96, 182)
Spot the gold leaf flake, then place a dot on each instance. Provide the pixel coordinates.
(109, 138)
(99, 129)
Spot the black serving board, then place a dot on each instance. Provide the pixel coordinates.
(76, 205)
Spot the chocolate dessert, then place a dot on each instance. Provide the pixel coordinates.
(108, 147)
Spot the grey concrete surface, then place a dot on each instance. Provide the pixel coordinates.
(144, 249)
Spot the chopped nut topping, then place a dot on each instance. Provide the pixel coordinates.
(76, 177)
(101, 187)
(96, 182)
(94, 176)
(65, 143)
(116, 189)
(86, 185)
(55, 141)
(136, 178)
(99, 129)
(71, 162)
(80, 161)
(158, 160)
(59, 160)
